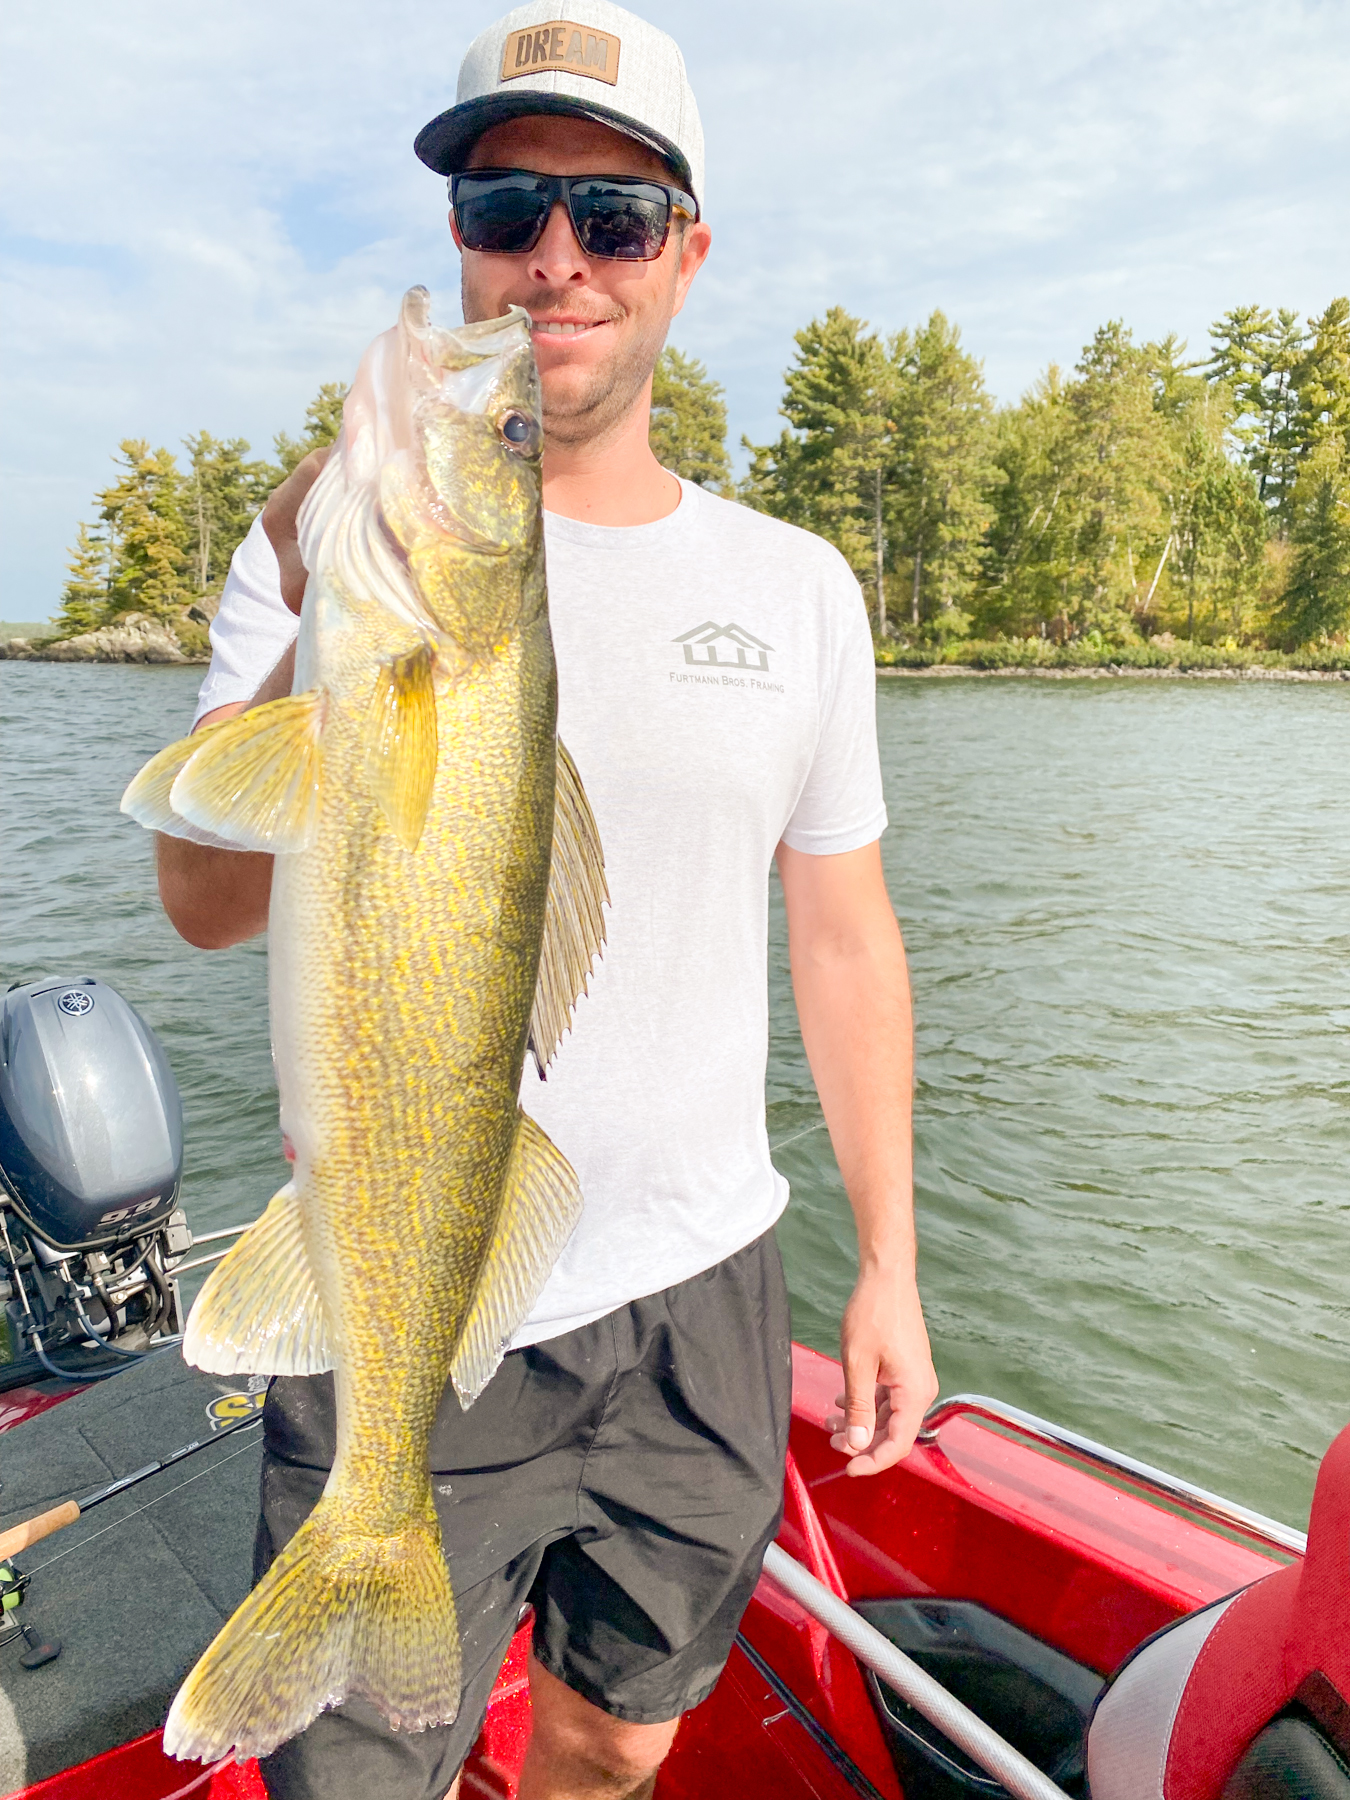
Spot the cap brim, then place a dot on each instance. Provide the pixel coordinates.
(445, 143)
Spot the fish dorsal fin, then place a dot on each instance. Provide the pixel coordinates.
(254, 779)
(574, 922)
(259, 1312)
(541, 1204)
(147, 798)
(401, 741)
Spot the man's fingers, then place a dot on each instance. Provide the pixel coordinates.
(279, 522)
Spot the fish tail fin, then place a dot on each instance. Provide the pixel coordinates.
(340, 1612)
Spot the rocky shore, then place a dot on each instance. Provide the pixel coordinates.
(132, 638)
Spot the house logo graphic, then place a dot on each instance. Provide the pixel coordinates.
(710, 646)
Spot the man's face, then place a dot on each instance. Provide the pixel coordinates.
(594, 374)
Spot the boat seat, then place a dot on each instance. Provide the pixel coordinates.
(1247, 1699)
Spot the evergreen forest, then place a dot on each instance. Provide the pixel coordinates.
(1141, 502)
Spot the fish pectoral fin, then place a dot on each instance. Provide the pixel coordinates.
(401, 741)
(574, 921)
(254, 780)
(541, 1204)
(147, 797)
(259, 1312)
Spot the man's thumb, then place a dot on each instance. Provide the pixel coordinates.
(860, 1410)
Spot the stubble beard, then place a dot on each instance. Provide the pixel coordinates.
(595, 406)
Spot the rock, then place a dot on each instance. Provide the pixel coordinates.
(133, 638)
(204, 608)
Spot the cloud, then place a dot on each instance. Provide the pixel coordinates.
(211, 211)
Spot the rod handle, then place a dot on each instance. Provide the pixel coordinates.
(19, 1537)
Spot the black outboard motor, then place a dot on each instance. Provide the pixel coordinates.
(91, 1160)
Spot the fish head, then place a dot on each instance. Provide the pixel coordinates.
(462, 494)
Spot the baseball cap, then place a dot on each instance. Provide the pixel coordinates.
(599, 62)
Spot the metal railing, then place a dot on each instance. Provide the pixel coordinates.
(1210, 1508)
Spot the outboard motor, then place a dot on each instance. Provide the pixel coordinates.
(91, 1161)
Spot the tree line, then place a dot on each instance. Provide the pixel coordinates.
(1140, 496)
(163, 532)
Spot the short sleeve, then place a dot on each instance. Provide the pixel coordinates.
(252, 629)
(841, 806)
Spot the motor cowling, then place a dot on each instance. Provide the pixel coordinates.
(91, 1122)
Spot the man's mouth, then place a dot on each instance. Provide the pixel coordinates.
(565, 327)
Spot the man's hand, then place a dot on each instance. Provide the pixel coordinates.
(889, 1381)
(279, 522)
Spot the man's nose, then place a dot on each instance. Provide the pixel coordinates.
(558, 258)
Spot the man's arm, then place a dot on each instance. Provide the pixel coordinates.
(852, 989)
(215, 898)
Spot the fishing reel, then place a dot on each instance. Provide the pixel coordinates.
(91, 1163)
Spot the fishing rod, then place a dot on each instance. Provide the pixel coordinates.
(32, 1531)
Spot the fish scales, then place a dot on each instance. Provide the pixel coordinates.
(422, 904)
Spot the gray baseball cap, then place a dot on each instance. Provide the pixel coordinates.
(600, 62)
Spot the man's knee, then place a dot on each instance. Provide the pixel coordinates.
(617, 1755)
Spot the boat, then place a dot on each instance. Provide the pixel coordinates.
(1012, 1609)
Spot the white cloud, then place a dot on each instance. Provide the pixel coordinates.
(210, 211)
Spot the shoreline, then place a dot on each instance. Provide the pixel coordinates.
(1110, 672)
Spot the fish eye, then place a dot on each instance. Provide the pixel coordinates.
(520, 432)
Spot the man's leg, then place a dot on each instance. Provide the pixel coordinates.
(578, 1752)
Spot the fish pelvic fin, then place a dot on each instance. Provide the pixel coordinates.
(259, 1311)
(401, 741)
(574, 920)
(147, 797)
(254, 779)
(340, 1612)
(541, 1204)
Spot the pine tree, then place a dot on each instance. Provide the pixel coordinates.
(1219, 526)
(1120, 468)
(222, 494)
(689, 422)
(1324, 380)
(1026, 584)
(943, 469)
(1258, 354)
(84, 599)
(1317, 601)
(323, 421)
(823, 472)
(148, 533)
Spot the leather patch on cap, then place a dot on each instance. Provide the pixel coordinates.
(561, 44)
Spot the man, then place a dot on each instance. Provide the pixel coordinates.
(622, 1472)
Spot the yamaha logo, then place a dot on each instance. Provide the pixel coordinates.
(76, 1002)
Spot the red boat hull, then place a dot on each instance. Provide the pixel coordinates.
(1083, 1563)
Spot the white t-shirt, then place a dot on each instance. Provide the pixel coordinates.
(717, 693)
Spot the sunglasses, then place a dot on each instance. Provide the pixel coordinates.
(503, 212)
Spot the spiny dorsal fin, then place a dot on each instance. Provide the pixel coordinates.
(255, 778)
(259, 1312)
(147, 797)
(574, 922)
(401, 741)
(541, 1204)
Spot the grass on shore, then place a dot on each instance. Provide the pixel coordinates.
(1037, 653)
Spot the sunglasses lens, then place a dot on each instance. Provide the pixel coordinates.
(501, 214)
(625, 221)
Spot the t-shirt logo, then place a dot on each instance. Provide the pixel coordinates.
(561, 44)
(712, 646)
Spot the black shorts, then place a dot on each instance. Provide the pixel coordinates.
(624, 1479)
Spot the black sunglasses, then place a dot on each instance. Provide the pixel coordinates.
(503, 212)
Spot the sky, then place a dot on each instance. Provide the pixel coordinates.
(208, 211)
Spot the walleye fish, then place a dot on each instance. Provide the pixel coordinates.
(436, 910)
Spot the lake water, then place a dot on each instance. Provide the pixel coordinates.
(1127, 906)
